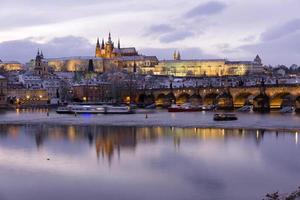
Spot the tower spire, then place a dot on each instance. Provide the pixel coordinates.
(109, 37)
(102, 45)
(119, 45)
(98, 43)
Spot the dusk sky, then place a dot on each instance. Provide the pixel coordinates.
(232, 29)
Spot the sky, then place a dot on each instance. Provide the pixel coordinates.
(199, 29)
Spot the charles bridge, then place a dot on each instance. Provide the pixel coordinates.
(260, 96)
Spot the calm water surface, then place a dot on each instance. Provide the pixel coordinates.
(95, 162)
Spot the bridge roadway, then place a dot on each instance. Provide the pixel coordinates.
(273, 95)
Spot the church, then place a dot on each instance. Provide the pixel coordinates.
(108, 50)
(107, 57)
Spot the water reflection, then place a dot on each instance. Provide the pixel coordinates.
(110, 141)
(86, 162)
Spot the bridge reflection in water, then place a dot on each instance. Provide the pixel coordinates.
(110, 141)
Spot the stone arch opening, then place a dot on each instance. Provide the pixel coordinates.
(159, 101)
(280, 100)
(145, 100)
(242, 99)
(169, 100)
(196, 100)
(183, 98)
(210, 99)
(224, 101)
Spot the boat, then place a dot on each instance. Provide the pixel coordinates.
(209, 108)
(94, 109)
(118, 110)
(245, 109)
(184, 108)
(225, 117)
(287, 109)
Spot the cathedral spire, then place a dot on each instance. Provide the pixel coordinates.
(38, 53)
(98, 43)
(42, 55)
(102, 45)
(109, 37)
(175, 55)
(119, 45)
(178, 56)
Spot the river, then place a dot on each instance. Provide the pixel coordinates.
(80, 159)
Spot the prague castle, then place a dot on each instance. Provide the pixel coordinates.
(108, 57)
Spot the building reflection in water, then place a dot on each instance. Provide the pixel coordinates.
(110, 141)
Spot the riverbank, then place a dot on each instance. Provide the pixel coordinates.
(273, 121)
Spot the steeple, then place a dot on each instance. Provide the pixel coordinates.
(98, 49)
(98, 43)
(175, 55)
(102, 45)
(258, 60)
(38, 53)
(178, 56)
(42, 55)
(119, 45)
(109, 37)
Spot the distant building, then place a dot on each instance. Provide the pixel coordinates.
(18, 95)
(11, 66)
(3, 91)
(211, 67)
(92, 92)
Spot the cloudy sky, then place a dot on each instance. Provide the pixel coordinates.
(232, 29)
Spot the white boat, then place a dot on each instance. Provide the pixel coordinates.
(245, 109)
(287, 109)
(118, 110)
(94, 109)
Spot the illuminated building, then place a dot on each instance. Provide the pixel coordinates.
(212, 67)
(11, 66)
(107, 57)
(3, 91)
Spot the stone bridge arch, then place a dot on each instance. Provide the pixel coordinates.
(196, 99)
(281, 99)
(243, 99)
(182, 98)
(159, 101)
(210, 98)
(224, 101)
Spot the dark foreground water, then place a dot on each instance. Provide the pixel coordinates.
(93, 162)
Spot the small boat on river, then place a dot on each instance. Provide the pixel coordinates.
(225, 117)
(246, 108)
(287, 109)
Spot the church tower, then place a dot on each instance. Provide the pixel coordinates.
(41, 67)
(98, 49)
(258, 60)
(109, 47)
(177, 55)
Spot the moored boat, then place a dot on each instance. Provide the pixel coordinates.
(225, 117)
(287, 109)
(246, 108)
(184, 108)
(95, 109)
